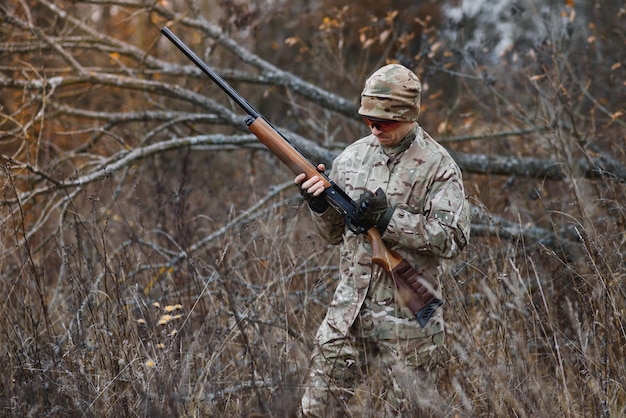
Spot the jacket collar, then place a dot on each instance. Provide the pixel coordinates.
(404, 144)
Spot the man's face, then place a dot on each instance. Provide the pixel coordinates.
(388, 133)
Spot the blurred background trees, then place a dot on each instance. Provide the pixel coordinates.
(156, 259)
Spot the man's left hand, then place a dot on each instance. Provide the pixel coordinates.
(372, 208)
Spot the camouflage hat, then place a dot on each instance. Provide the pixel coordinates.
(392, 93)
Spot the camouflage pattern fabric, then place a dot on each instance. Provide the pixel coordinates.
(430, 222)
(392, 93)
(366, 377)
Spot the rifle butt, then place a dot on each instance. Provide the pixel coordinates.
(415, 292)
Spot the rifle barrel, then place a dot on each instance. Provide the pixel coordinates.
(212, 74)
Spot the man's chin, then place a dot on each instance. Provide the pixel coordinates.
(385, 141)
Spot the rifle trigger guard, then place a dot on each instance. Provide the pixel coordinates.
(357, 229)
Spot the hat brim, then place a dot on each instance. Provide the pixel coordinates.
(388, 109)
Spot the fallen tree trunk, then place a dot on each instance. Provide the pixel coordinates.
(592, 168)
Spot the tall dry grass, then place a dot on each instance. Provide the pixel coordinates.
(109, 316)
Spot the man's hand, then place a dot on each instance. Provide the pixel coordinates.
(372, 208)
(312, 189)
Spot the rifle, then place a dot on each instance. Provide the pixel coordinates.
(414, 289)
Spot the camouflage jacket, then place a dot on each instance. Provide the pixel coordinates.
(430, 222)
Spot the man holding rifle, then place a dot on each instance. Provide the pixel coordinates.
(409, 187)
(384, 313)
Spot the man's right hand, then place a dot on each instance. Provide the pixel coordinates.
(372, 208)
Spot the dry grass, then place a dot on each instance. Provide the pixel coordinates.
(96, 323)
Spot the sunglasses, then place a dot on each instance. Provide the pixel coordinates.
(381, 125)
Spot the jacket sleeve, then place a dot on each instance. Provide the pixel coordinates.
(442, 227)
(330, 225)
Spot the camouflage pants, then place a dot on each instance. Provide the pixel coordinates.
(367, 377)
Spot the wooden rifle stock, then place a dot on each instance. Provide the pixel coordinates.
(415, 291)
(381, 255)
(285, 152)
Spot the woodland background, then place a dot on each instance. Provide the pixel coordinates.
(156, 260)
